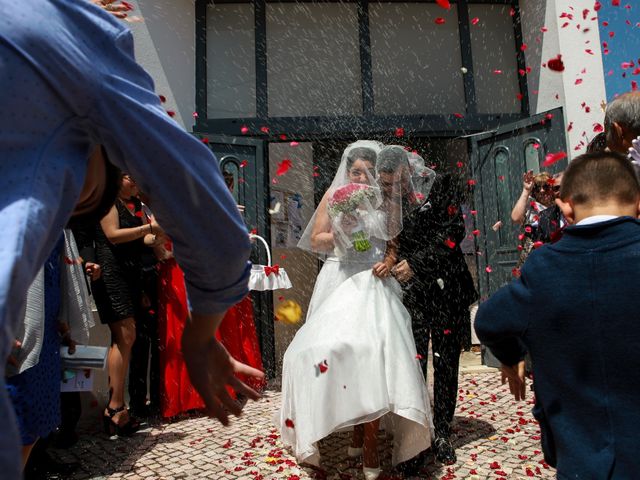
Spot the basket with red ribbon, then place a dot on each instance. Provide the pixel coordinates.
(267, 277)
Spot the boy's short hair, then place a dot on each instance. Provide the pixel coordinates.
(600, 177)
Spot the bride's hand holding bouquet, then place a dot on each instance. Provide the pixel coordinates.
(345, 207)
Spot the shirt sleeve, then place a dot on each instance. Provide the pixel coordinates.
(503, 319)
(180, 175)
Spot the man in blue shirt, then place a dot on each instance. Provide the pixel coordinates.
(68, 83)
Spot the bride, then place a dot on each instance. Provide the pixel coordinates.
(353, 364)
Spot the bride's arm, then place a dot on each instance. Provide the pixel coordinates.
(321, 235)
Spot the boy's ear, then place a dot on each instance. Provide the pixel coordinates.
(567, 210)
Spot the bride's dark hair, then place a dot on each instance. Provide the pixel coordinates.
(362, 153)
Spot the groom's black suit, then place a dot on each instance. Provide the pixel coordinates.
(439, 294)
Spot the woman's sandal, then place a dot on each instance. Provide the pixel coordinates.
(111, 428)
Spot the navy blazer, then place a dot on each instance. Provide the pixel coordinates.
(575, 309)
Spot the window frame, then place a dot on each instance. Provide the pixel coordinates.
(309, 127)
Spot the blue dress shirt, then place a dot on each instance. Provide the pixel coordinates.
(68, 82)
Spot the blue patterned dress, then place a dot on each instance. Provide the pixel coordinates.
(35, 393)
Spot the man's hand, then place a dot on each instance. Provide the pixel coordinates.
(402, 271)
(381, 270)
(211, 368)
(515, 375)
(93, 270)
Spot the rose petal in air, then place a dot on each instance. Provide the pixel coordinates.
(283, 167)
(440, 21)
(444, 4)
(552, 158)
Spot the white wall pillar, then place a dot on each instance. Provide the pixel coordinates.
(549, 89)
(165, 47)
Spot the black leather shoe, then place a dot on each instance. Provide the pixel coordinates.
(414, 466)
(445, 453)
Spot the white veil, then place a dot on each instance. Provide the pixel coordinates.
(348, 214)
(365, 202)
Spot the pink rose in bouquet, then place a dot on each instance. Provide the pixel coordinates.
(347, 200)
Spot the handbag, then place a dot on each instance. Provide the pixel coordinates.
(85, 357)
(267, 277)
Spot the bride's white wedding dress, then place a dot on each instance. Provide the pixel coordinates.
(354, 361)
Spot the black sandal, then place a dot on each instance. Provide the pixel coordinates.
(111, 428)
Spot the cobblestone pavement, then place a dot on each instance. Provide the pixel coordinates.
(495, 438)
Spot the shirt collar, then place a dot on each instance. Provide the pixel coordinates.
(596, 219)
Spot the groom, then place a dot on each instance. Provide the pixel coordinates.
(438, 288)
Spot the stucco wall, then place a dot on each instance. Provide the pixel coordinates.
(165, 47)
(549, 89)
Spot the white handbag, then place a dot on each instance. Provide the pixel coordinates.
(267, 277)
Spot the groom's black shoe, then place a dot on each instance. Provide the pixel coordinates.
(445, 453)
(414, 466)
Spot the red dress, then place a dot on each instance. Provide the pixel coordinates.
(177, 394)
(237, 333)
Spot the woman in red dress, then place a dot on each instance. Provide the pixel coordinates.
(237, 333)
(177, 393)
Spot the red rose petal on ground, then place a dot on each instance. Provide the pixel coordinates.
(494, 466)
(283, 167)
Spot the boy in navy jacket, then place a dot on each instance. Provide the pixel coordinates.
(575, 310)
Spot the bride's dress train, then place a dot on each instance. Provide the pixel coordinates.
(352, 362)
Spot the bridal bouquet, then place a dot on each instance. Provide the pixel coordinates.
(345, 202)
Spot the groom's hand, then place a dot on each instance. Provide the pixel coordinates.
(402, 271)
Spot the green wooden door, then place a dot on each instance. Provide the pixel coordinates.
(499, 158)
(244, 164)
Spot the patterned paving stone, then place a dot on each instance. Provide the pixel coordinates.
(495, 438)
